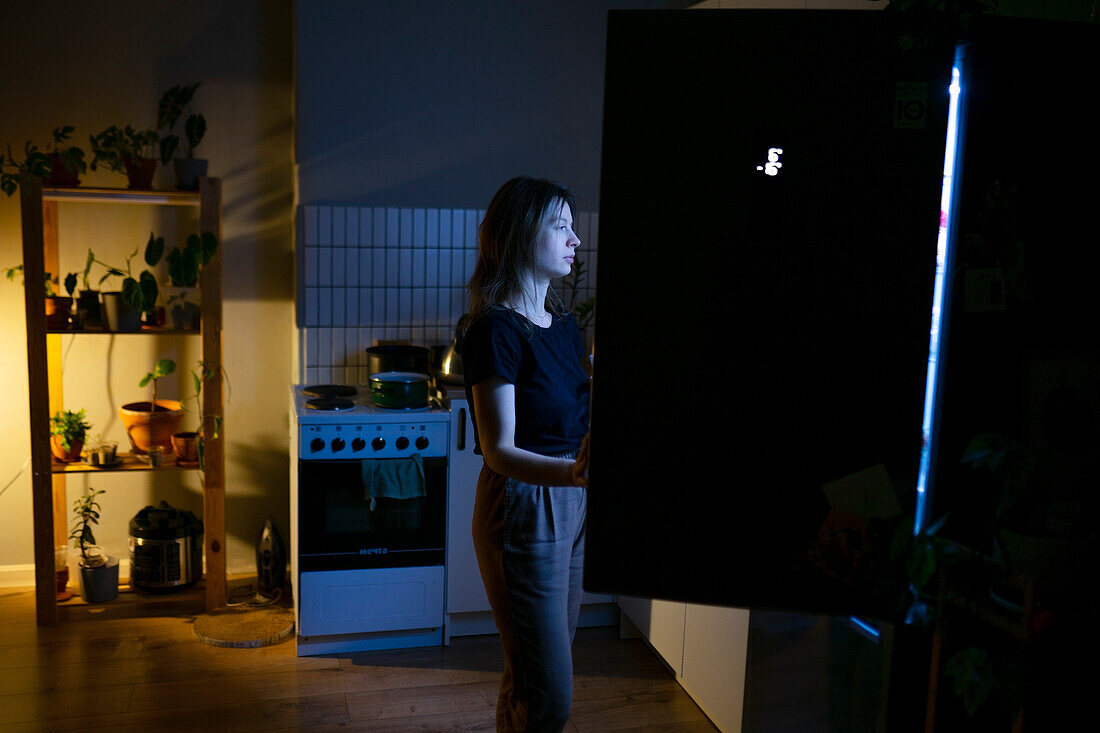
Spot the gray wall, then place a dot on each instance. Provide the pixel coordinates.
(427, 103)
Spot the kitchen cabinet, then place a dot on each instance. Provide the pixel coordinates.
(662, 624)
(465, 592)
(705, 647)
(40, 255)
(467, 607)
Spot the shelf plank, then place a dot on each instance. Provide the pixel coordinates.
(122, 196)
(143, 331)
(128, 462)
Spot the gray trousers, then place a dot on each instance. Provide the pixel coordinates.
(530, 549)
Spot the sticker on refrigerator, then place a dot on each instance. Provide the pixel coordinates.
(910, 105)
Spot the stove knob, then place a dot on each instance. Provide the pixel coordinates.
(358, 444)
(402, 443)
(337, 444)
(316, 444)
(378, 443)
(422, 442)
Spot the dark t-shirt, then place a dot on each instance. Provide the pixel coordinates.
(544, 364)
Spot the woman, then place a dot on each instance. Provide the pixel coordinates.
(527, 383)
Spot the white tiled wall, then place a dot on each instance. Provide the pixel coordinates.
(371, 273)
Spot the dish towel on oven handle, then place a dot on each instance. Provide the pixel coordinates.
(393, 478)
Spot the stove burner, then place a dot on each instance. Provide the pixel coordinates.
(329, 390)
(329, 404)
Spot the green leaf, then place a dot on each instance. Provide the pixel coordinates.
(145, 380)
(154, 248)
(183, 266)
(149, 290)
(132, 295)
(88, 267)
(163, 368)
(70, 283)
(195, 127)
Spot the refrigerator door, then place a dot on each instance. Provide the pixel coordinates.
(770, 185)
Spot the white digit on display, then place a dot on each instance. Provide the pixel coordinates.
(771, 168)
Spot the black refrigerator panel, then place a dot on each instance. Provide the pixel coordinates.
(769, 210)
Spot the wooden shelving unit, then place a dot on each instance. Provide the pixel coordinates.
(40, 255)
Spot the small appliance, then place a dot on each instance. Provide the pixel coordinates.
(165, 548)
(270, 560)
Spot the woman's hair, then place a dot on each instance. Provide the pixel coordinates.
(506, 241)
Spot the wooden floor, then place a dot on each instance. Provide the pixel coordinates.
(134, 665)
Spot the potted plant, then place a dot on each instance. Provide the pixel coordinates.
(35, 163)
(150, 425)
(189, 445)
(87, 302)
(98, 571)
(102, 453)
(128, 151)
(66, 162)
(123, 308)
(67, 432)
(184, 265)
(172, 104)
(58, 307)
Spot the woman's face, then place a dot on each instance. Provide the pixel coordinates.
(555, 243)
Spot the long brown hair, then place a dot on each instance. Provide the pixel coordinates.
(506, 241)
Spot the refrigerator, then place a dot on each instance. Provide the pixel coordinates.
(786, 371)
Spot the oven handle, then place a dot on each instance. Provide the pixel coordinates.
(461, 433)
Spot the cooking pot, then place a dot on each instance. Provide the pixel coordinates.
(165, 548)
(398, 358)
(450, 364)
(399, 390)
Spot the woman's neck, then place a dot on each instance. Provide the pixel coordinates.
(530, 301)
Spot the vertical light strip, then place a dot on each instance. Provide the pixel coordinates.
(944, 242)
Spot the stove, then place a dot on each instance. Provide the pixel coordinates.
(367, 557)
(340, 421)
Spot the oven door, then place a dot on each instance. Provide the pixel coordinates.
(339, 530)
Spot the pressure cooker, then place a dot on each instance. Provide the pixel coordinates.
(165, 548)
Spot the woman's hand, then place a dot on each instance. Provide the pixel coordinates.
(579, 469)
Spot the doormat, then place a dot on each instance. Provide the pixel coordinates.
(244, 628)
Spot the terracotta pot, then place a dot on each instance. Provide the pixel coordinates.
(147, 428)
(58, 309)
(186, 446)
(66, 456)
(140, 172)
(60, 175)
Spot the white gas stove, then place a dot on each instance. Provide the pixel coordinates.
(368, 515)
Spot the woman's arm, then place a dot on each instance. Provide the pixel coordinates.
(495, 407)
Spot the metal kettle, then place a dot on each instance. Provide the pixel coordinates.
(450, 364)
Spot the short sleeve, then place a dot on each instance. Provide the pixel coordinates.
(491, 348)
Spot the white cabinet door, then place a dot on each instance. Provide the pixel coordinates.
(715, 650)
(465, 592)
(662, 624)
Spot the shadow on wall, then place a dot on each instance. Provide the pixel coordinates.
(261, 465)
